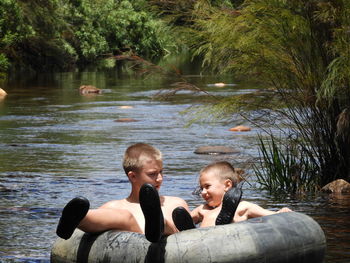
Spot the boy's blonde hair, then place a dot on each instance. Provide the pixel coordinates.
(136, 154)
(224, 170)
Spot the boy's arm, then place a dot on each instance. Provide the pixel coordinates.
(246, 210)
(195, 214)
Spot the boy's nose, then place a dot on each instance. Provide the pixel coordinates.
(159, 177)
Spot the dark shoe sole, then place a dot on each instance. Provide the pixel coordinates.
(74, 211)
(150, 205)
(229, 206)
(182, 219)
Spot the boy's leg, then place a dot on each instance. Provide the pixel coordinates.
(74, 211)
(103, 219)
(150, 205)
(182, 219)
(229, 205)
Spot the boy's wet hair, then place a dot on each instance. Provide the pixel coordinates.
(136, 154)
(224, 170)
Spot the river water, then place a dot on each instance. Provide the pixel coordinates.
(56, 144)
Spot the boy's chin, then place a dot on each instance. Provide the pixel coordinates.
(212, 205)
(157, 187)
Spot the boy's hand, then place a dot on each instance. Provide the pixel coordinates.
(284, 209)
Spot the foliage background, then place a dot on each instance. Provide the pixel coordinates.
(58, 34)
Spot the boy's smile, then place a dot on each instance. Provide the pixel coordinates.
(213, 189)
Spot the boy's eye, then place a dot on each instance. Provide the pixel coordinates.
(205, 187)
(155, 174)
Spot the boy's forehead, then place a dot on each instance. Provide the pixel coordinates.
(146, 161)
(212, 174)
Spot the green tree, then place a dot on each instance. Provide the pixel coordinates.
(31, 34)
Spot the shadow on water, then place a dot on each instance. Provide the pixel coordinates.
(56, 144)
(334, 219)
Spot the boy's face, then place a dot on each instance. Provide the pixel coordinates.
(213, 188)
(151, 172)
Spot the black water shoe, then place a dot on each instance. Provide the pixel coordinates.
(150, 205)
(74, 211)
(182, 219)
(229, 206)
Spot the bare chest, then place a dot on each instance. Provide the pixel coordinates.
(209, 216)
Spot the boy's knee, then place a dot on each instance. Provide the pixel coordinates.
(127, 217)
(129, 223)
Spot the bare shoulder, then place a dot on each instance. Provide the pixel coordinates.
(244, 204)
(114, 204)
(173, 200)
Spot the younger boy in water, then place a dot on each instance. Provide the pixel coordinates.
(142, 211)
(220, 188)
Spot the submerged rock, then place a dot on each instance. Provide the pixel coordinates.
(126, 107)
(2, 93)
(89, 89)
(219, 84)
(125, 120)
(4, 189)
(215, 150)
(240, 128)
(337, 186)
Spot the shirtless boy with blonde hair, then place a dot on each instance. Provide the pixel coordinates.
(143, 211)
(220, 185)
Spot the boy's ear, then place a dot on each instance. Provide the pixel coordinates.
(132, 176)
(228, 184)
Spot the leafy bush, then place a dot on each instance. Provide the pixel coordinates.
(31, 34)
(105, 27)
(12, 31)
(58, 33)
